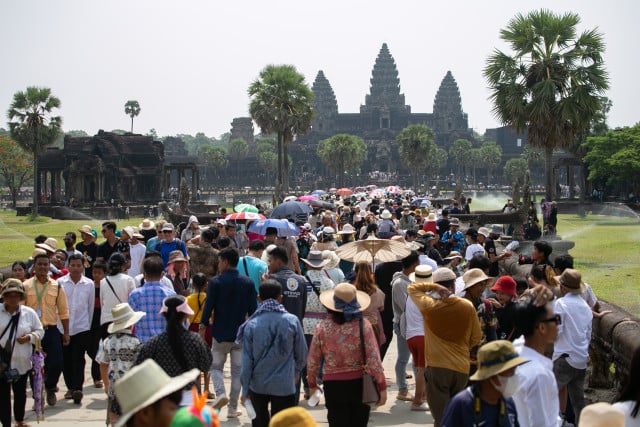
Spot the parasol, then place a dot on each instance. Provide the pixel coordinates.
(290, 210)
(284, 227)
(344, 192)
(37, 360)
(307, 197)
(240, 216)
(373, 249)
(245, 207)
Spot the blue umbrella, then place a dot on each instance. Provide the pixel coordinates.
(290, 210)
(318, 192)
(284, 227)
(422, 202)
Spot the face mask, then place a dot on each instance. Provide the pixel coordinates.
(468, 242)
(508, 385)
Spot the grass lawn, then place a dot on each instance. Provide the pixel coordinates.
(606, 249)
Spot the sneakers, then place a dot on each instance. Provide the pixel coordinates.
(68, 395)
(421, 407)
(220, 402)
(51, 398)
(404, 395)
(233, 413)
(77, 396)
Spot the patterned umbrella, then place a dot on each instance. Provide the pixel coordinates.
(393, 189)
(245, 207)
(240, 216)
(373, 249)
(37, 360)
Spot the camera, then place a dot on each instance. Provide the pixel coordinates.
(11, 375)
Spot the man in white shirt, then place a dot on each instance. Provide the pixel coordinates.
(537, 396)
(136, 250)
(571, 351)
(80, 299)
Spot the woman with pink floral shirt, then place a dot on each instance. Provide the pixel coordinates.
(337, 341)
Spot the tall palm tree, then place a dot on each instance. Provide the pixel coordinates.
(33, 126)
(132, 109)
(552, 82)
(342, 153)
(281, 103)
(416, 142)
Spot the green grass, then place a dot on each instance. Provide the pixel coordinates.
(606, 249)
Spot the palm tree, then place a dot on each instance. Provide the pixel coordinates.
(132, 109)
(551, 84)
(342, 153)
(491, 154)
(416, 143)
(460, 153)
(33, 126)
(281, 103)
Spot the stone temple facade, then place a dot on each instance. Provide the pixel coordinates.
(383, 116)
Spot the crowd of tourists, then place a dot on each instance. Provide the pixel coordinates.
(159, 311)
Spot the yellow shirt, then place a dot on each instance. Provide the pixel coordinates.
(197, 305)
(52, 302)
(451, 328)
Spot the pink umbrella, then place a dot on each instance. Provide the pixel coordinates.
(344, 192)
(332, 190)
(393, 189)
(307, 197)
(240, 216)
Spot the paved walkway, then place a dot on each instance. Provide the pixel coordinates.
(92, 411)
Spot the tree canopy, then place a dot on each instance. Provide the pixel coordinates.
(491, 155)
(552, 81)
(416, 144)
(15, 166)
(132, 109)
(341, 153)
(459, 154)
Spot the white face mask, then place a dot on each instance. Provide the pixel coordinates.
(508, 385)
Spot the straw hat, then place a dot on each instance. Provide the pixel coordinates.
(572, 280)
(295, 416)
(49, 245)
(147, 224)
(385, 214)
(443, 274)
(146, 384)
(347, 229)
(494, 358)
(431, 216)
(86, 229)
(315, 259)
(453, 255)
(175, 256)
(333, 260)
(484, 231)
(345, 292)
(473, 277)
(422, 274)
(13, 285)
(129, 230)
(124, 317)
(601, 414)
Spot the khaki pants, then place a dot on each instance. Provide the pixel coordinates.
(442, 385)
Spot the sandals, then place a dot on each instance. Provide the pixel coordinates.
(22, 424)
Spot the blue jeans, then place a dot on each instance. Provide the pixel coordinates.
(403, 359)
(52, 346)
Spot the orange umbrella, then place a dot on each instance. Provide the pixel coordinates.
(344, 192)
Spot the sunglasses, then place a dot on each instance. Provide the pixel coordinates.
(557, 319)
(166, 231)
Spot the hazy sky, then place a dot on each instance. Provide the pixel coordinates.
(189, 63)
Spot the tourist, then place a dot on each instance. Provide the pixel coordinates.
(505, 291)
(273, 354)
(399, 295)
(294, 286)
(239, 241)
(629, 398)
(407, 221)
(332, 267)
(561, 263)
(490, 248)
(473, 246)
(177, 350)
(149, 397)
(191, 230)
(443, 222)
(232, 297)
(88, 248)
(537, 397)
(20, 329)
(539, 255)
(149, 299)
(488, 401)
(136, 249)
(69, 240)
(196, 301)
(80, 294)
(115, 288)
(59, 261)
(112, 243)
(119, 352)
(147, 229)
(169, 243)
(338, 341)
(178, 272)
(251, 265)
(364, 282)
(100, 269)
(451, 330)
(383, 276)
(19, 270)
(48, 299)
(571, 349)
(476, 282)
(326, 240)
(153, 241)
(453, 239)
(386, 226)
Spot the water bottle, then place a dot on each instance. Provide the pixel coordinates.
(251, 412)
(315, 398)
(513, 245)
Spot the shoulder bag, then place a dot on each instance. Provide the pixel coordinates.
(370, 394)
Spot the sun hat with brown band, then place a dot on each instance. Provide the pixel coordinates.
(496, 357)
(345, 293)
(475, 276)
(422, 274)
(572, 280)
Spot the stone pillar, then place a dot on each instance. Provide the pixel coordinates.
(43, 187)
(571, 182)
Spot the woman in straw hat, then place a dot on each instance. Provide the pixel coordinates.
(488, 400)
(20, 328)
(337, 341)
(119, 351)
(364, 282)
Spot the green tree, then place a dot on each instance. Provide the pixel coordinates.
(132, 109)
(213, 157)
(416, 142)
(491, 154)
(473, 161)
(281, 103)
(15, 167)
(342, 153)
(459, 154)
(552, 82)
(615, 157)
(34, 127)
(514, 170)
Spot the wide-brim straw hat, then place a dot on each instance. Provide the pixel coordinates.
(147, 224)
(345, 292)
(124, 317)
(475, 276)
(144, 385)
(175, 256)
(385, 214)
(601, 414)
(422, 274)
(494, 358)
(315, 259)
(86, 229)
(295, 416)
(49, 245)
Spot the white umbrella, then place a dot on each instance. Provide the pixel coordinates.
(373, 249)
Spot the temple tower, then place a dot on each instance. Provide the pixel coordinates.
(242, 128)
(325, 104)
(447, 107)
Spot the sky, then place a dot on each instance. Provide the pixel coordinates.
(189, 63)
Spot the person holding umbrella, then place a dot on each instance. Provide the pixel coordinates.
(20, 328)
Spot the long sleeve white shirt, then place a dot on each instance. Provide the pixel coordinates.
(537, 396)
(81, 301)
(574, 333)
(28, 324)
